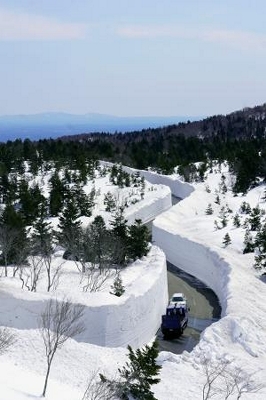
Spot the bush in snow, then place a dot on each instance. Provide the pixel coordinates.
(117, 288)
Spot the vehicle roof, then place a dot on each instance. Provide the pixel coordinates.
(178, 294)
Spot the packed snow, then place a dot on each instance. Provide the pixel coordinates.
(190, 239)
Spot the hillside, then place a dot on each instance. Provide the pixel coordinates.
(238, 137)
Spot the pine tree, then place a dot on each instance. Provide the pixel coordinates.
(236, 221)
(254, 219)
(99, 242)
(69, 225)
(109, 202)
(248, 243)
(209, 209)
(245, 208)
(138, 375)
(226, 240)
(117, 288)
(217, 199)
(142, 183)
(260, 244)
(57, 195)
(138, 240)
(42, 236)
(120, 231)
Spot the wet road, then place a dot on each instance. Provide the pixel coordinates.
(204, 309)
(204, 306)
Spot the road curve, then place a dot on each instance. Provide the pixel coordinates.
(204, 309)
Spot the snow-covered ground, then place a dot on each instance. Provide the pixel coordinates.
(189, 238)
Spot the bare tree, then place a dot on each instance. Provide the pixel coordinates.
(6, 339)
(53, 273)
(59, 322)
(224, 379)
(95, 279)
(30, 275)
(99, 389)
(8, 239)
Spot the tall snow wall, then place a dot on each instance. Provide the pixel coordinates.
(134, 318)
(195, 259)
(178, 188)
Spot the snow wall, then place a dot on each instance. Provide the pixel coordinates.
(150, 210)
(178, 188)
(134, 318)
(195, 259)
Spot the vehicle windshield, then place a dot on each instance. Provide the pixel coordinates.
(177, 299)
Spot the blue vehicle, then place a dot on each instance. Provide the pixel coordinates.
(175, 321)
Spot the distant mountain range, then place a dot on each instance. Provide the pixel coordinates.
(53, 125)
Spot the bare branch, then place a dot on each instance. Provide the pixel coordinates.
(59, 322)
(6, 339)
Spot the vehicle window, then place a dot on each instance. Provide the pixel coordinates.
(178, 299)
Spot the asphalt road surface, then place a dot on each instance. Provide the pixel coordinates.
(204, 310)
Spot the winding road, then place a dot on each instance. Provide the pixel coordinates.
(203, 302)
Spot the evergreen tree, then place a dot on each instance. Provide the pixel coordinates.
(226, 240)
(100, 242)
(245, 208)
(236, 221)
(138, 375)
(260, 244)
(69, 217)
(120, 232)
(109, 202)
(42, 236)
(138, 240)
(248, 243)
(13, 228)
(223, 217)
(143, 185)
(254, 219)
(117, 288)
(209, 209)
(141, 372)
(217, 199)
(57, 195)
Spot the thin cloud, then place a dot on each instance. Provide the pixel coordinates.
(238, 39)
(22, 26)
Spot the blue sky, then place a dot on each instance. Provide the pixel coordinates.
(132, 57)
